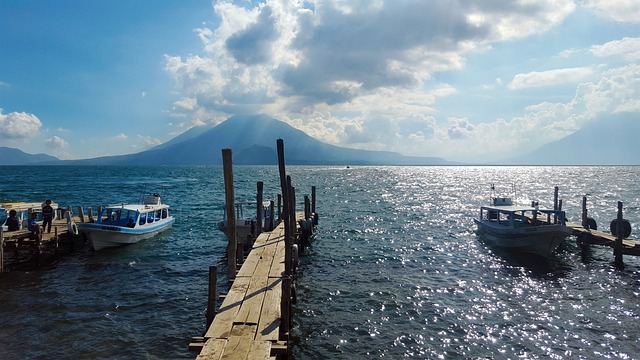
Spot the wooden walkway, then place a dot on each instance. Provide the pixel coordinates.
(247, 325)
(595, 237)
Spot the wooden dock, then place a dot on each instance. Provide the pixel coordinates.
(586, 237)
(249, 322)
(22, 243)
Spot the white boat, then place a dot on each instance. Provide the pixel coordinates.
(526, 229)
(124, 224)
(23, 209)
(246, 219)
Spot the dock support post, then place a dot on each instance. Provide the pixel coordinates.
(555, 204)
(213, 290)
(617, 250)
(259, 205)
(1, 250)
(285, 211)
(313, 199)
(271, 215)
(285, 310)
(81, 213)
(232, 247)
(307, 208)
(585, 222)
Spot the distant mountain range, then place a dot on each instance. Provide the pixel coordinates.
(11, 156)
(610, 141)
(614, 140)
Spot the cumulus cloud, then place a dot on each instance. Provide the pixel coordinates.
(550, 78)
(619, 10)
(303, 55)
(16, 125)
(144, 143)
(626, 48)
(56, 142)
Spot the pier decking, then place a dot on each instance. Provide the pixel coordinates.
(23, 241)
(247, 325)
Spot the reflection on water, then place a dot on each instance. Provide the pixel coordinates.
(395, 269)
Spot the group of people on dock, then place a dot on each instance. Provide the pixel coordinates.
(13, 223)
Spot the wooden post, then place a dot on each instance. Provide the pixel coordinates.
(585, 222)
(271, 216)
(285, 309)
(555, 204)
(1, 251)
(563, 220)
(279, 207)
(260, 210)
(285, 195)
(307, 207)
(81, 213)
(313, 199)
(617, 250)
(232, 247)
(90, 215)
(213, 290)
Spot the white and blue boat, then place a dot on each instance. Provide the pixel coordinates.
(124, 224)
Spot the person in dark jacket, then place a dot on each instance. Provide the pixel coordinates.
(47, 216)
(13, 223)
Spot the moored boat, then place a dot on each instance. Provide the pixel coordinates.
(246, 219)
(526, 229)
(124, 224)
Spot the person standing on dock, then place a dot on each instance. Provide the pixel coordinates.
(47, 216)
(13, 223)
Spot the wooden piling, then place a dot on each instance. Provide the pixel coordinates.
(213, 290)
(313, 199)
(259, 205)
(81, 213)
(617, 249)
(1, 250)
(232, 248)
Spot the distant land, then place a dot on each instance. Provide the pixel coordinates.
(252, 139)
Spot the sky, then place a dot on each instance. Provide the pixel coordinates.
(465, 80)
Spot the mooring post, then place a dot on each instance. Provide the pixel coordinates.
(555, 204)
(285, 309)
(285, 202)
(313, 199)
(271, 215)
(213, 290)
(81, 213)
(617, 250)
(232, 247)
(279, 207)
(260, 186)
(585, 222)
(307, 207)
(1, 250)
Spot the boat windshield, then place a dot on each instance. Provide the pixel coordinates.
(117, 216)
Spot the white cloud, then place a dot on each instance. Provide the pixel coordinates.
(626, 48)
(284, 54)
(144, 143)
(617, 10)
(120, 137)
(19, 125)
(550, 77)
(56, 142)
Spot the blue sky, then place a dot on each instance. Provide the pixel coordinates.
(464, 80)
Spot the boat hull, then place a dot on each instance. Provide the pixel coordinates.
(243, 229)
(537, 240)
(104, 236)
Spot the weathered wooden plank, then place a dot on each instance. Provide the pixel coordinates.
(251, 308)
(212, 350)
(277, 266)
(240, 342)
(223, 322)
(250, 263)
(260, 350)
(269, 325)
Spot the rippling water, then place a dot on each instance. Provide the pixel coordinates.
(395, 269)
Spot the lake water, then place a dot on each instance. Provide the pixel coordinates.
(395, 269)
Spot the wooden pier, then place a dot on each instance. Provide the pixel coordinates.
(23, 243)
(254, 319)
(250, 323)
